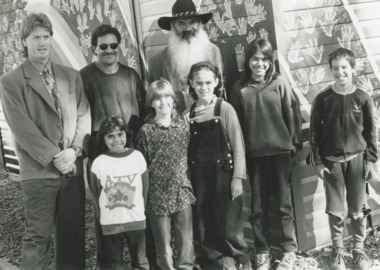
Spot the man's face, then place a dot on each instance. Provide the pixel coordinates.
(107, 49)
(38, 44)
(187, 28)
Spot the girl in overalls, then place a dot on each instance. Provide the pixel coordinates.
(217, 167)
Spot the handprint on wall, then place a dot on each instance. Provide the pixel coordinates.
(219, 22)
(91, 9)
(250, 37)
(291, 25)
(240, 56)
(360, 64)
(255, 13)
(329, 20)
(364, 83)
(74, 5)
(314, 50)
(65, 7)
(82, 3)
(106, 9)
(317, 75)
(230, 25)
(113, 17)
(307, 21)
(302, 80)
(132, 61)
(82, 22)
(83, 45)
(213, 33)
(227, 8)
(242, 27)
(98, 12)
(347, 35)
(263, 33)
(294, 52)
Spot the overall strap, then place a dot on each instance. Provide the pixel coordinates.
(217, 108)
(192, 112)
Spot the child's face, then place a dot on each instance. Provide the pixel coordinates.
(342, 72)
(163, 105)
(204, 83)
(116, 140)
(259, 65)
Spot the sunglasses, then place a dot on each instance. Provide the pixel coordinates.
(104, 46)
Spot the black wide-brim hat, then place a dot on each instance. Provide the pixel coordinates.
(183, 9)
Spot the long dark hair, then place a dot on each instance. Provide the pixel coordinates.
(265, 47)
(218, 91)
(107, 126)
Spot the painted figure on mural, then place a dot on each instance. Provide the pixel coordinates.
(111, 87)
(270, 118)
(49, 117)
(188, 44)
(343, 152)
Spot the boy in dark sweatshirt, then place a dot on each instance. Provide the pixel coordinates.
(343, 151)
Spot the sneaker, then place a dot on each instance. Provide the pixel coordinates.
(337, 258)
(287, 261)
(245, 266)
(262, 262)
(361, 260)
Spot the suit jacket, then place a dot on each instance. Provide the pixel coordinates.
(34, 121)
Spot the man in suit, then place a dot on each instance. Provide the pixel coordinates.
(48, 114)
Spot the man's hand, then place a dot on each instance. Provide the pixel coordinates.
(65, 160)
(369, 171)
(236, 188)
(320, 170)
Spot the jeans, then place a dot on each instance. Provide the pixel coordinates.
(346, 182)
(50, 203)
(266, 174)
(182, 223)
(112, 247)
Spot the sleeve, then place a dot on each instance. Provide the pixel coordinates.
(235, 100)
(24, 130)
(316, 125)
(95, 187)
(142, 145)
(369, 131)
(83, 123)
(235, 137)
(145, 184)
(291, 114)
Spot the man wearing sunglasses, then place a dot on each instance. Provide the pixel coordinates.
(111, 87)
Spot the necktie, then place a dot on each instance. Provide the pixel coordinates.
(52, 88)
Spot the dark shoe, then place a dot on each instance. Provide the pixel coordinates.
(262, 262)
(245, 266)
(337, 259)
(361, 260)
(287, 261)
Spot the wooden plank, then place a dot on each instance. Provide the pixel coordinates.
(373, 43)
(158, 7)
(367, 11)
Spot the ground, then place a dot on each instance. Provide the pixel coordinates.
(12, 223)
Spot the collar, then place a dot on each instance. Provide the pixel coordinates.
(174, 123)
(39, 67)
(118, 155)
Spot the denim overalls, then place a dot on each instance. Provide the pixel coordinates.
(218, 228)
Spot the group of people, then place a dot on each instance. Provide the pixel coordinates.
(170, 161)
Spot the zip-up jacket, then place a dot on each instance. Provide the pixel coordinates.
(341, 125)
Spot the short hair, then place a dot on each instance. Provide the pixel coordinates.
(158, 89)
(102, 30)
(265, 47)
(342, 53)
(206, 65)
(107, 126)
(32, 21)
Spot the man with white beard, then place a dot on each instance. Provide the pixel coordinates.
(188, 44)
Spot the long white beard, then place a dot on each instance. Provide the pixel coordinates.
(184, 54)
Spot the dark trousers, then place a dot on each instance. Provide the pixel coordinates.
(58, 203)
(266, 174)
(182, 223)
(345, 182)
(218, 226)
(110, 249)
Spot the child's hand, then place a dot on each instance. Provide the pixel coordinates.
(369, 171)
(320, 170)
(236, 188)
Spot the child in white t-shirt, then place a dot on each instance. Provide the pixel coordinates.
(119, 185)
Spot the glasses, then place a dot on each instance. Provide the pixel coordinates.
(104, 46)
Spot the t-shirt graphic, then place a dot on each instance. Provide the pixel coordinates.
(120, 193)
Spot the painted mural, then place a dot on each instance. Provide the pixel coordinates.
(10, 44)
(83, 16)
